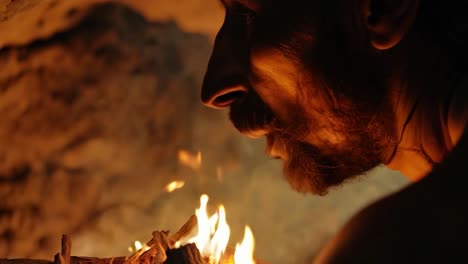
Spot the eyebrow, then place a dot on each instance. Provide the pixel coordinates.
(223, 2)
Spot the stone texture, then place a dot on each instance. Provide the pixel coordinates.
(22, 21)
(82, 111)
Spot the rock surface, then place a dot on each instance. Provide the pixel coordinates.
(22, 21)
(85, 109)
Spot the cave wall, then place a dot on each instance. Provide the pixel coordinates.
(85, 108)
(22, 21)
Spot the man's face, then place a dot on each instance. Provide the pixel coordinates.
(292, 72)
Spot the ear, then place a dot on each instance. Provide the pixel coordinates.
(387, 21)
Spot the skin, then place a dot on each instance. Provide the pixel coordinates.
(339, 87)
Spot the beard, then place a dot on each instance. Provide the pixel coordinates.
(341, 124)
(314, 164)
(362, 124)
(312, 169)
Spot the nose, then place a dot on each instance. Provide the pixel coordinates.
(225, 81)
(225, 96)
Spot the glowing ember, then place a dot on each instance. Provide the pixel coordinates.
(244, 250)
(138, 245)
(190, 160)
(174, 186)
(213, 235)
(138, 248)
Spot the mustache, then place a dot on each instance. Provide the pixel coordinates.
(252, 117)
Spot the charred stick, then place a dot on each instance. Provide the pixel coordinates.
(161, 251)
(187, 254)
(73, 260)
(184, 230)
(66, 249)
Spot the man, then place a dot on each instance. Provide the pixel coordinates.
(338, 87)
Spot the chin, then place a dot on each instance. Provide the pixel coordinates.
(305, 180)
(308, 170)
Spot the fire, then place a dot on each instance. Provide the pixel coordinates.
(172, 186)
(244, 251)
(190, 160)
(221, 236)
(213, 236)
(138, 247)
(213, 232)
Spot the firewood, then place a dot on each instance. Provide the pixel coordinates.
(92, 260)
(187, 254)
(161, 251)
(66, 249)
(184, 230)
(73, 260)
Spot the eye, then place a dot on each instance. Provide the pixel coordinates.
(241, 11)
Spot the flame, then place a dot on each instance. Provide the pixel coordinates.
(190, 160)
(138, 248)
(138, 245)
(221, 236)
(172, 186)
(244, 251)
(205, 226)
(213, 234)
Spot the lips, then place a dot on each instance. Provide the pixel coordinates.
(275, 147)
(254, 119)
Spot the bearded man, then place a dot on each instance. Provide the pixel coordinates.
(338, 87)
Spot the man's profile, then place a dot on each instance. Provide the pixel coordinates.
(340, 86)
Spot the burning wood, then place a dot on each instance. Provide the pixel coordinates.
(159, 250)
(206, 246)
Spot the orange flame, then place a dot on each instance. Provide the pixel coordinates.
(221, 236)
(213, 232)
(213, 236)
(244, 251)
(172, 186)
(190, 160)
(138, 247)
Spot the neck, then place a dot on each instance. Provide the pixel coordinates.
(429, 120)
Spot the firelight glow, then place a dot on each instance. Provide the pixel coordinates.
(138, 247)
(172, 186)
(221, 236)
(213, 236)
(244, 251)
(190, 160)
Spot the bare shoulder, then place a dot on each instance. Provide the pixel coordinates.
(425, 222)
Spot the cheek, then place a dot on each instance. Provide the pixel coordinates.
(296, 96)
(276, 79)
(297, 101)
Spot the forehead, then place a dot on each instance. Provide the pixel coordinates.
(278, 5)
(228, 3)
